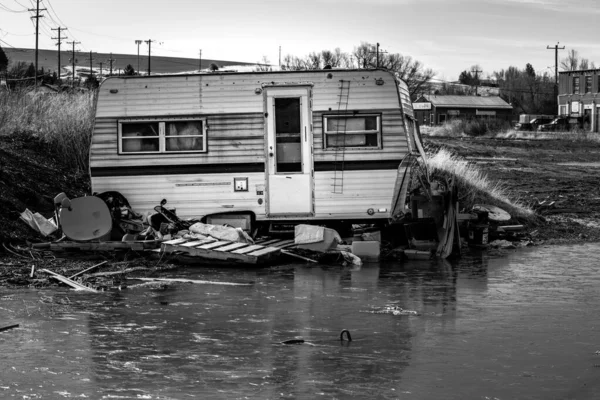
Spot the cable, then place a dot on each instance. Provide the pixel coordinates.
(3, 7)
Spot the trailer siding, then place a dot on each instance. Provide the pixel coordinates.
(198, 184)
(194, 195)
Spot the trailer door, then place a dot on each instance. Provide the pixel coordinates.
(289, 164)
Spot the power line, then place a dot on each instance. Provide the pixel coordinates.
(3, 7)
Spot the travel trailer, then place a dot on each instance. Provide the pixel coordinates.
(258, 148)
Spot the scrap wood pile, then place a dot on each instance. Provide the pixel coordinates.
(78, 274)
(105, 223)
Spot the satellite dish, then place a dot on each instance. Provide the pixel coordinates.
(88, 218)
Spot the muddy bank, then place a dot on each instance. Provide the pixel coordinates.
(561, 173)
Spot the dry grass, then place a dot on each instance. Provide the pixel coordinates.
(473, 185)
(502, 130)
(63, 122)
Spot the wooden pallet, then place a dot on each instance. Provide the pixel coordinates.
(225, 251)
(100, 246)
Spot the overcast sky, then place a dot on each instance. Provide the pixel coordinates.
(448, 36)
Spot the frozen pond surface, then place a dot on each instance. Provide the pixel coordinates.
(523, 326)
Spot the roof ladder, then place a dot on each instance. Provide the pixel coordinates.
(340, 135)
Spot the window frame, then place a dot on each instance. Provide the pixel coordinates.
(587, 84)
(162, 135)
(576, 85)
(378, 131)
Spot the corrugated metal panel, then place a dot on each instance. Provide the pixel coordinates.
(394, 139)
(243, 143)
(468, 101)
(214, 193)
(362, 190)
(177, 95)
(146, 192)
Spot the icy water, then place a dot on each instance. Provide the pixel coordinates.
(522, 326)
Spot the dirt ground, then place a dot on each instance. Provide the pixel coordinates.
(533, 171)
(537, 171)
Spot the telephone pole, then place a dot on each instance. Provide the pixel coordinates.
(149, 41)
(138, 42)
(200, 61)
(377, 55)
(110, 62)
(91, 65)
(59, 38)
(37, 17)
(73, 62)
(556, 49)
(476, 72)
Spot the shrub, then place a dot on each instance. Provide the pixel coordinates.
(62, 123)
(473, 185)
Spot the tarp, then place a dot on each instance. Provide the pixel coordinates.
(221, 232)
(38, 222)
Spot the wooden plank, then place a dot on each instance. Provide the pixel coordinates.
(213, 245)
(247, 249)
(175, 241)
(65, 280)
(232, 246)
(266, 250)
(5, 328)
(197, 242)
(284, 243)
(268, 242)
(88, 269)
(182, 280)
(214, 255)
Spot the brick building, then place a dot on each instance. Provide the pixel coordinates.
(579, 96)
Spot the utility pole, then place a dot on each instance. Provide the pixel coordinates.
(200, 61)
(377, 55)
(59, 29)
(110, 61)
(149, 41)
(138, 42)
(37, 17)
(91, 65)
(476, 72)
(100, 63)
(73, 62)
(556, 49)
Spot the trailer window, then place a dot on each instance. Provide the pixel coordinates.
(184, 136)
(140, 137)
(162, 136)
(352, 131)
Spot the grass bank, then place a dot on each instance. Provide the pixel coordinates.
(62, 123)
(496, 129)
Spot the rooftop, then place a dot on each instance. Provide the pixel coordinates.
(466, 101)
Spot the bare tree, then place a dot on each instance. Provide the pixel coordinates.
(571, 61)
(264, 65)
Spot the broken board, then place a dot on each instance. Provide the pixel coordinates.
(225, 251)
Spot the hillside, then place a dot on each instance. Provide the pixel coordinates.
(48, 59)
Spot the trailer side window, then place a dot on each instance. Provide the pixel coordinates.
(184, 136)
(352, 131)
(139, 137)
(162, 136)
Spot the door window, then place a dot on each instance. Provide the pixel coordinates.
(288, 135)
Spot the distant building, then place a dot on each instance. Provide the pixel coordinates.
(578, 93)
(437, 109)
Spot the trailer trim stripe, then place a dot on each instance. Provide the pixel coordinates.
(371, 165)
